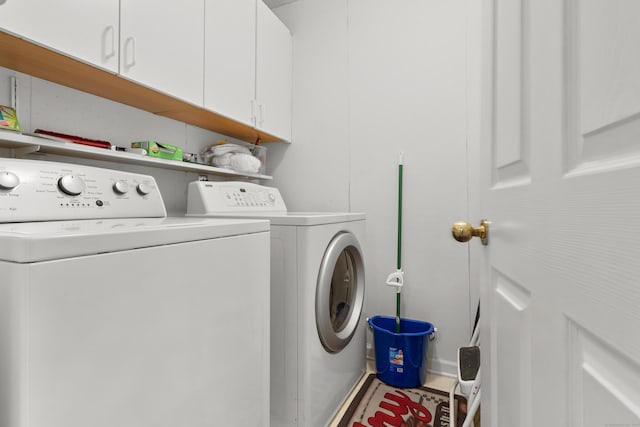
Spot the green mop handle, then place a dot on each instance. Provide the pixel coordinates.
(399, 258)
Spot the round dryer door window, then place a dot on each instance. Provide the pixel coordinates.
(339, 292)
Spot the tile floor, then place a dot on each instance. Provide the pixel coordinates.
(434, 381)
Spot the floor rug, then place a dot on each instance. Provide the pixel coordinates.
(380, 405)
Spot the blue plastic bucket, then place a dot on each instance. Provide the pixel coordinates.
(401, 358)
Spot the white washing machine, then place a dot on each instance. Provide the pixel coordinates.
(317, 297)
(113, 315)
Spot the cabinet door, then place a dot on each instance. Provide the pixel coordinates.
(229, 58)
(87, 31)
(273, 74)
(161, 46)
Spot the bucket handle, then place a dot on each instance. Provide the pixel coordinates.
(432, 335)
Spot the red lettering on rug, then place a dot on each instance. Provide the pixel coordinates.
(403, 405)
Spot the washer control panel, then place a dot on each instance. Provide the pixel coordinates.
(209, 197)
(34, 190)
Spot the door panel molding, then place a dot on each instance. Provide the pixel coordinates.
(511, 343)
(602, 105)
(511, 145)
(602, 381)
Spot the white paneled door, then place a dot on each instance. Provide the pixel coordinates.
(559, 169)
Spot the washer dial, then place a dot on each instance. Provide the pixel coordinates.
(143, 189)
(120, 187)
(8, 180)
(71, 185)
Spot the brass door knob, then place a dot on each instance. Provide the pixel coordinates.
(463, 231)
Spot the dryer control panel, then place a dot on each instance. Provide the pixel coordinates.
(220, 198)
(34, 190)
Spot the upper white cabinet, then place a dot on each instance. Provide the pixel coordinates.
(162, 44)
(248, 59)
(273, 74)
(87, 31)
(229, 58)
(224, 65)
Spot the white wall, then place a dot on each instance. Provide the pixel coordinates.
(373, 78)
(314, 174)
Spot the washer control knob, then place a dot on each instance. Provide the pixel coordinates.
(143, 189)
(120, 187)
(272, 197)
(71, 185)
(8, 180)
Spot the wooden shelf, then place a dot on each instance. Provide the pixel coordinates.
(20, 144)
(29, 58)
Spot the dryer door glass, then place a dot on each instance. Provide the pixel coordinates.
(339, 292)
(343, 289)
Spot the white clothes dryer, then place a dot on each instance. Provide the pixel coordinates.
(112, 314)
(317, 296)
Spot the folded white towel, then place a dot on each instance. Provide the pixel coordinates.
(221, 149)
(231, 156)
(222, 161)
(244, 163)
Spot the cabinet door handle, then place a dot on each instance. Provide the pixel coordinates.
(253, 112)
(108, 49)
(129, 52)
(261, 114)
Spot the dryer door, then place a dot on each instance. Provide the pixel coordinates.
(340, 292)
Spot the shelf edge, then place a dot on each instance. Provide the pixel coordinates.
(15, 140)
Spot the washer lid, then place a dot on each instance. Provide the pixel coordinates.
(314, 218)
(41, 241)
(232, 199)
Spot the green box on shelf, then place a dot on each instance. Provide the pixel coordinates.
(9, 119)
(159, 150)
